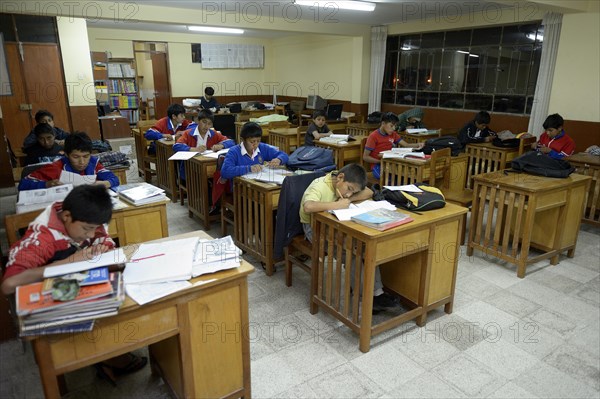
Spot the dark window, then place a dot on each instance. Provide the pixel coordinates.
(36, 29)
(492, 69)
(7, 28)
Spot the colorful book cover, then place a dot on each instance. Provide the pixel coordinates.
(382, 219)
(87, 277)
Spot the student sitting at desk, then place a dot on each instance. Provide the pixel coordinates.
(317, 129)
(209, 101)
(477, 130)
(69, 231)
(337, 190)
(383, 139)
(78, 159)
(554, 141)
(251, 154)
(43, 116)
(201, 137)
(411, 119)
(45, 149)
(170, 127)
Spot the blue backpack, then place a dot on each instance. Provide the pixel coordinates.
(312, 158)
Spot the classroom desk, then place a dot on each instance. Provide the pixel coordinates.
(120, 172)
(285, 138)
(589, 165)
(198, 170)
(411, 170)
(344, 153)
(418, 261)
(166, 171)
(197, 338)
(254, 204)
(361, 129)
(486, 158)
(526, 211)
(420, 137)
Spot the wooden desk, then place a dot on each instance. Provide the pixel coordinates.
(197, 172)
(254, 204)
(197, 338)
(417, 260)
(589, 165)
(166, 171)
(421, 137)
(344, 153)
(120, 172)
(526, 211)
(361, 129)
(486, 158)
(410, 170)
(285, 138)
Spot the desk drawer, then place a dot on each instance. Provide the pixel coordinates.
(393, 246)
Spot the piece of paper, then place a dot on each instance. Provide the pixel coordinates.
(212, 267)
(115, 256)
(409, 188)
(216, 250)
(414, 131)
(269, 175)
(144, 293)
(357, 209)
(182, 156)
(76, 179)
(213, 154)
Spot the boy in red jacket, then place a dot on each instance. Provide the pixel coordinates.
(554, 142)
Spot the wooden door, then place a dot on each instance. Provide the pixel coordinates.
(37, 80)
(162, 88)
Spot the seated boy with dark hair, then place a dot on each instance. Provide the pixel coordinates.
(209, 101)
(317, 129)
(171, 127)
(337, 190)
(554, 142)
(44, 116)
(69, 231)
(411, 119)
(78, 159)
(45, 149)
(477, 131)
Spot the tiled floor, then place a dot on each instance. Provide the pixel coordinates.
(507, 337)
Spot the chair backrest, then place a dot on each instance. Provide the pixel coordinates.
(439, 168)
(288, 217)
(525, 144)
(363, 143)
(225, 123)
(14, 223)
(277, 124)
(297, 106)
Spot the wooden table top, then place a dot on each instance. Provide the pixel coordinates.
(527, 182)
(584, 157)
(285, 131)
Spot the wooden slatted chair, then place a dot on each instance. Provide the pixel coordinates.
(15, 223)
(370, 178)
(144, 159)
(525, 144)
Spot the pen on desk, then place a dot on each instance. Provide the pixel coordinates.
(338, 193)
(147, 257)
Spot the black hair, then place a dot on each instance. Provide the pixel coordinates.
(354, 173)
(209, 91)
(41, 114)
(206, 114)
(553, 121)
(78, 141)
(389, 117)
(89, 203)
(43, 128)
(250, 129)
(318, 113)
(482, 118)
(175, 109)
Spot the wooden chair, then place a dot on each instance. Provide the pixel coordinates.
(440, 166)
(14, 223)
(227, 213)
(525, 144)
(301, 131)
(370, 178)
(144, 159)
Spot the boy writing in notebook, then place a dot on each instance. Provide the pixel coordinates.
(69, 231)
(317, 129)
(477, 131)
(171, 127)
(337, 190)
(383, 139)
(78, 159)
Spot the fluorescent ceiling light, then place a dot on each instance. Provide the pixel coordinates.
(535, 36)
(342, 5)
(466, 52)
(213, 29)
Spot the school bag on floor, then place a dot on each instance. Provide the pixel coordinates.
(536, 163)
(430, 197)
(439, 143)
(312, 158)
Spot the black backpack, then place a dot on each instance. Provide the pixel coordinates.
(536, 163)
(508, 143)
(312, 158)
(439, 143)
(374, 117)
(430, 198)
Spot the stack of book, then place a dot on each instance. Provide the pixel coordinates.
(382, 219)
(140, 193)
(40, 310)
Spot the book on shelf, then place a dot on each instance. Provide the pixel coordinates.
(382, 219)
(140, 193)
(85, 277)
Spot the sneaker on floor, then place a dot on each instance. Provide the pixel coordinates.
(215, 210)
(383, 302)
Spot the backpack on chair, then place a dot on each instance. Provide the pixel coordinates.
(312, 158)
(429, 198)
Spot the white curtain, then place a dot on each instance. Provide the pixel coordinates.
(378, 38)
(552, 24)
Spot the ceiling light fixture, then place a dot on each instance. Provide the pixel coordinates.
(342, 5)
(213, 29)
(535, 36)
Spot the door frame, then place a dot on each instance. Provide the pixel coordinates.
(157, 113)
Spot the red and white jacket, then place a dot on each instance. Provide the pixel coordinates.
(561, 146)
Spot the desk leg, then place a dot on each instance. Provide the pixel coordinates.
(172, 180)
(527, 231)
(367, 301)
(46, 368)
(317, 252)
(204, 197)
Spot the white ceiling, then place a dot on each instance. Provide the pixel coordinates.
(386, 12)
